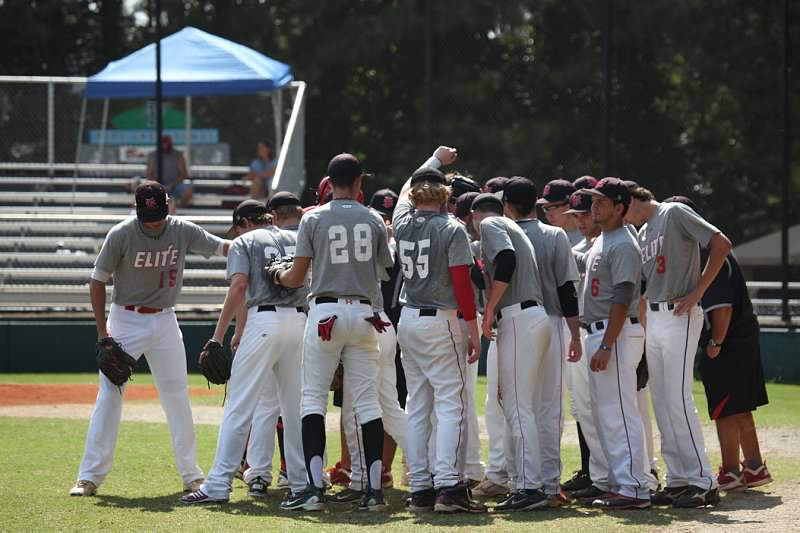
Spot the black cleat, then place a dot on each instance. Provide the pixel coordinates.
(373, 501)
(668, 495)
(589, 494)
(523, 500)
(309, 499)
(258, 488)
(348, 495)
(421, 500)
(456, 499)
(614, 502)
(696, 497)
(579, 481)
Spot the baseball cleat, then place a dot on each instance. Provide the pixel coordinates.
(258, 487)
(728, 481)
(668, 495)
(614, 502)
(696, 497)
(193, 485)
(589, 494)
(83, 488)
(198, 497)
(456, 499)
(373, 501)
(348, 495)
(523, 500)
(579, 481)
(309, 499)
(756, 477)
(421, 500)
(489, 489)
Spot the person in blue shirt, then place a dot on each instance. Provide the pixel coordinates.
(262, 169)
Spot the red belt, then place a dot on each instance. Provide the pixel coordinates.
(142, 309)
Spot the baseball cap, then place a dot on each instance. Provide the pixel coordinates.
(344, 166)
(247, 209)
(280, 199)
(151, 201)
(383, 201)
(630, 184)
(488, 198)
(584, 182)
(429, 174)
(556, 191)
(580, 202)
(462, 184)
(520, 190)
(613, 188)
(498, 183)
(464, 204)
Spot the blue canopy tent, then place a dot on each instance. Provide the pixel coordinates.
(197, 63)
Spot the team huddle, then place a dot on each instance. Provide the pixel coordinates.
(575, 303)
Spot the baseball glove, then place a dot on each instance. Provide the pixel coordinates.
(338, 378)
(325, 328)
(114, 362)
(642, 374)
(276, 266)
(214, 364)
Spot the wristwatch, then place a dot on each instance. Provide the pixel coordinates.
(605, 348)
(714, 344)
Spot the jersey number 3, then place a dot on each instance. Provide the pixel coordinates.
(362, 243)
(423, 258)
(661, 264)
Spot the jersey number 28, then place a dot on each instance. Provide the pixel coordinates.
(423, 258)
(362, 243)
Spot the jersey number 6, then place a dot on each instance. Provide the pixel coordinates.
(362, 243)
(423, 259)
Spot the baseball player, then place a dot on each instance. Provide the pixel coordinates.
(555, 202)
(271, 343)
(348, 246)
(435, 258)
(394, 418)
(558, 273)
(146, 255)
(523, 339)
(670, 255)
(614, 340)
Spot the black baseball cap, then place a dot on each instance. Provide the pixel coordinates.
(429, 174)
(496, 184)
(464, 204)
(488, 198)
(344, 166)
(383, 201)
(580, 202)
(247, 209)
(613, 188)
(631, 185)
(462, 184)
(151, 201)
(280, 199)
(584, 182)
(556, 191)
(520, 190)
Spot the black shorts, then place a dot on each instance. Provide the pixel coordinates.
(734, 380)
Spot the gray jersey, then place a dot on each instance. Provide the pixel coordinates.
(575, 236)
(428, 244)
(498, 234)
(581, 251)
(670, 254)
(348, 248)
(148, 268)
(613, 259)
(554, 258)
(249, 254)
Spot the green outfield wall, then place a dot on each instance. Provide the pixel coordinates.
(68, 346)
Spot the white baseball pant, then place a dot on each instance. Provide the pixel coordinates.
(261, 444)
(523, 338)
(550, 405)
(614, 406)
(643, 402)
(671, 345)
(270, 344)
(354, 342)
(434, 359)
(394, 418)
(473, 466)
(157, 337)
(496, 471)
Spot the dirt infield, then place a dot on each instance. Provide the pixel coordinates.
(53, 394)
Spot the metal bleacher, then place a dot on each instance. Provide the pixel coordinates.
(51, 229)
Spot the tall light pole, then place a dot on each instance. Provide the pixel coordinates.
(787, 161)
(159, 124)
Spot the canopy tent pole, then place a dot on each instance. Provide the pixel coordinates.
(103, 127)
(78, 152)
(51, 154)
(277, 117)
(187, 134)
(787, 164)
(159, 124)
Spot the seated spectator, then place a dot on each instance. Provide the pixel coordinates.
(174, 174)
(262, 169)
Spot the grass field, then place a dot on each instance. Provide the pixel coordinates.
(40, 457)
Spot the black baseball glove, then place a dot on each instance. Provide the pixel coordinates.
(642, 374)
(276, 266)
(114, 362)
(214, 364)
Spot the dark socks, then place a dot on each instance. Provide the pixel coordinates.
(314, 447)
(372, 433)
(279, 431)
(584, 450)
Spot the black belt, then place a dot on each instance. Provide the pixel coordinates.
(270, 307)
(428, 312)
(657, 307)
(523, 305)
(599, 326)
(331, 300)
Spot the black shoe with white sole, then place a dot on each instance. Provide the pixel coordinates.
(668, 495)
(456, 499)
(421, 500)
(579, 481)
(372, 501)
(309, 499)
(258, 487)
(589, 494)
(696, 497)
(347, 495)
(615, 502)
(523, 500)
(199, 497)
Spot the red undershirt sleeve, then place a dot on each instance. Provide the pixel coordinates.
(462, 286)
